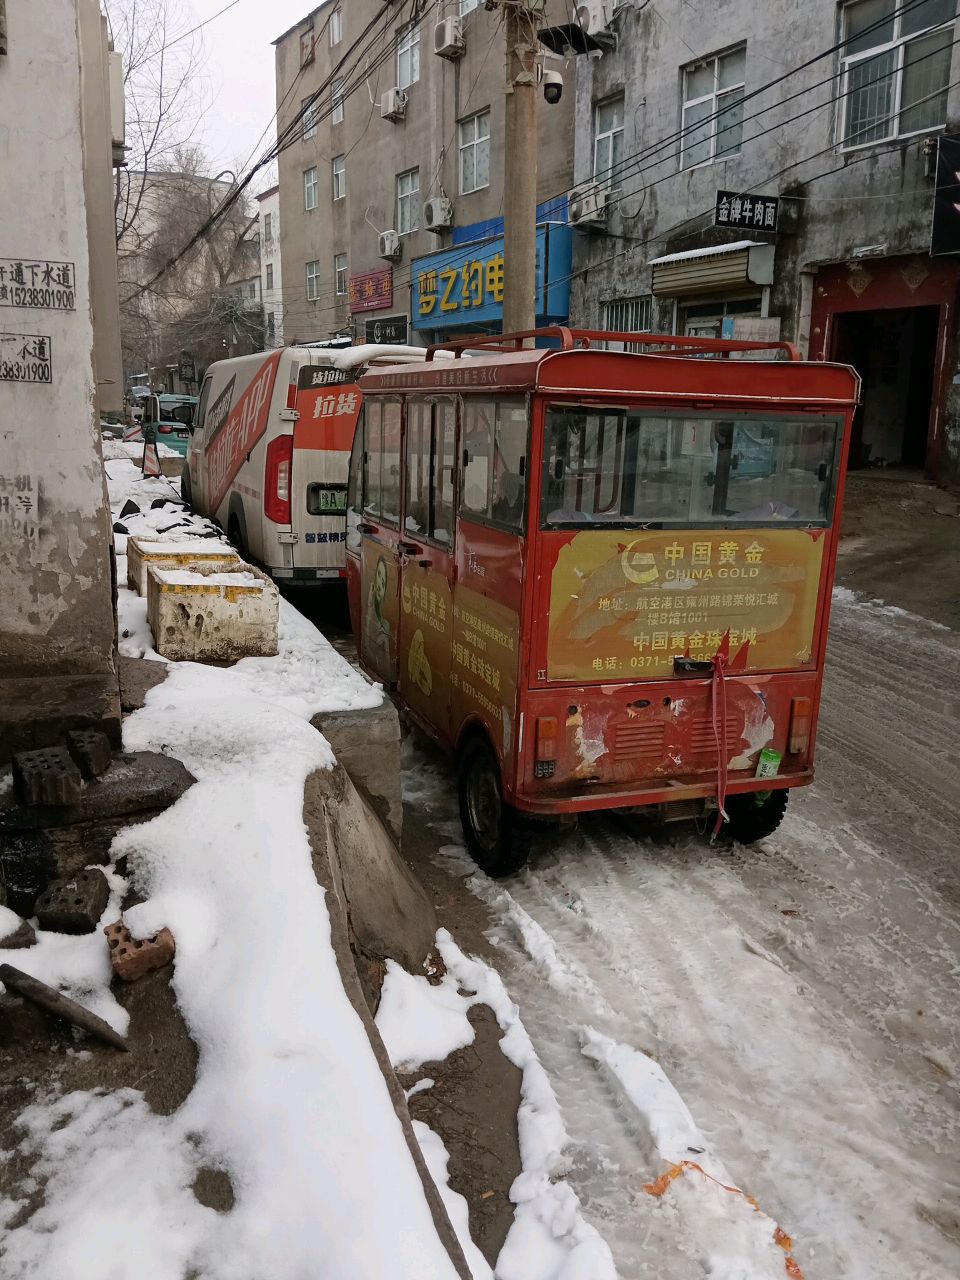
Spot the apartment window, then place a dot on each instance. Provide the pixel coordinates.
(271, 326)
(608, 140)
(627, 315)
(311, 112)
(339, 177)
(340, 273)
(313, 281)
(408, 201)
(336, 27)
(713, 108)
(896, 68)
(468, 6)
(408, 56)
(268, 228)
(306, 47)
(310, 188)
(475, 152)
(253, 290)
(336, 102)
(269, 275)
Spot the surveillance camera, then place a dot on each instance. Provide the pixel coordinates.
(552, 82)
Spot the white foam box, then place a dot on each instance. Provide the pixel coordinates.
(212, 615)
(174, 553)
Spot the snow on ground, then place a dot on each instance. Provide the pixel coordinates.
(789, 1008)
(419, 1022)
(289, 1100)
(132, 451)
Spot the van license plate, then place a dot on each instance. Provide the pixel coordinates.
(323, 501)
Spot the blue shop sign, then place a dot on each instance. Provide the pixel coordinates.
(463, 286)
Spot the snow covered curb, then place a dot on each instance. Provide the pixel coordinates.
(290, 1100)
(549, 1238)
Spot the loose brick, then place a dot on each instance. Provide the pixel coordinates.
(22, 936)
(91, 751)
(75, 904)
(47, 776)
(133, 957)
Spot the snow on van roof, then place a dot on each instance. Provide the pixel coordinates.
(380, 353)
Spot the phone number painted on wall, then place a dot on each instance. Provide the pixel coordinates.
(25, 357)
(38, 282)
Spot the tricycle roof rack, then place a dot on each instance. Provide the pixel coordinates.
(586, 339)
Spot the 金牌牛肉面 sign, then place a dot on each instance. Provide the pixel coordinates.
(756, 213)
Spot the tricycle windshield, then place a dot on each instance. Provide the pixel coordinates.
(627, 466)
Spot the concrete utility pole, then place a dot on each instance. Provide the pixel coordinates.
(520, 167)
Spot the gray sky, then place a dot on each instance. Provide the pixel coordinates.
(239, 72)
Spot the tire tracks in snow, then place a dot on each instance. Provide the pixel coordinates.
(799, 994)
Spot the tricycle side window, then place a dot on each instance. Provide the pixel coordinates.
(355, 487)
(494, 440)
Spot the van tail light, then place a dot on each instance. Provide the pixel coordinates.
(801, 716)
(292, 389)
(164, 431)
(545, 752)
(276, 480)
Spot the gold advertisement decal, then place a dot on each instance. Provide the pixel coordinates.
(624, 606)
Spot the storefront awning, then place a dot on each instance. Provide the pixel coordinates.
(705, 271)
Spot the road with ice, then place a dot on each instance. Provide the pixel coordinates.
(800, 996)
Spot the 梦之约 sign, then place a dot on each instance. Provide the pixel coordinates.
(464, 285)
(758, 213)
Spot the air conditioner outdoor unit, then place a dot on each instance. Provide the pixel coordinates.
(437, 213)
(389, 244)
(448, 39)
(393, 104)
(588, 206)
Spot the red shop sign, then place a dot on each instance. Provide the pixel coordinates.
(371, 290)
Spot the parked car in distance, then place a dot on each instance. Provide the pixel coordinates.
(173, 416)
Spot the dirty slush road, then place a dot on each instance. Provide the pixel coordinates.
(801, 995)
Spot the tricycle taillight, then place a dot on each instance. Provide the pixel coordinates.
(801, 717)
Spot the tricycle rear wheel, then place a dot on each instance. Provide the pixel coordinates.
(754, 815)
(497, 836)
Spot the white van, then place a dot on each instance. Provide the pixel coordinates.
(269, 451)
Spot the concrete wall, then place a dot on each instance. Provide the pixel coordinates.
(837, 200)
(377, 150)
(56, 611)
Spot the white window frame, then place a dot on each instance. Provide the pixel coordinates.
(338, 169)
(473, 144)
(311, 113)
(341, 268)
(313, 280)
(408, 49)
(268, 272)
(336, 101)
(897, 46)
(608, 173)
(719, 99)
(406, 201)
(627, 315)
(336, 27)
(468, 6)
(310, 188)
(268, 228)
